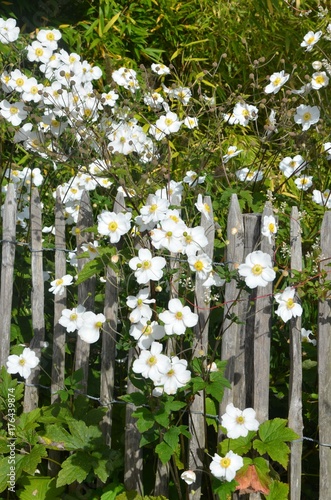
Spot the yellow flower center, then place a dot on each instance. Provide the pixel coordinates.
(13, 110)
(206, 207)
(112, 226)
(152, 361)
(98, 324)
(257, 269)
(179, 315)
(59, 282)
(171, 373)
(169, 234)
(39, 52)
(147, 330)
(168, 122)
(198, 266)
(153, 207)
(271, 227)
(310, 40)
(73, 316)
(240, 420)
(277, 81)
(146, 264)
(50, 36)
(290, 303)
(307, 116)
(320, 79)
(19, 82)
(22, 362)
(225, 462)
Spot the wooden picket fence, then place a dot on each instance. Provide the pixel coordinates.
(245, 345)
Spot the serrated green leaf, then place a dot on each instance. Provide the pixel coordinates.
(75, 468)
(171, 437)
(111, 491)
(91, 268)
(162, 418)
(174, 405)
(31, 460)
(39, 488)
(145, 419)
(278, 491)
(223, 488)
(240, 445)
(148, 437)
(136, 398)
(164, 452)
(273, 435)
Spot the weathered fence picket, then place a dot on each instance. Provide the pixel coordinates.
(324, 365)
(295, 418)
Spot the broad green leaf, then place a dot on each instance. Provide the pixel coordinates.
(171, 437)
(145, 419)
(148, 437)
(240, 445)
(174, 405)
(75, 468)
(273, 435)
(278, 491)
(31, 460)
(223, 488)
(39, 488)
(164, 452)
(136, 398)
(110, 492)
(211, 410)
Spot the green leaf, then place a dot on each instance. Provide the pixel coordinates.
(145, 419)
(136, 398)
(171, 437)
(91, 268)
(174, 405)
(164, 451)
(75, 468)
(273, 435)
(240, 445)
(223, 488)
(211, 410)
(31, 460)
(39, 488)
(110, 492)
(278, 491)
(148, 437)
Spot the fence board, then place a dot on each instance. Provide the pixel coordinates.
(86, 290)
(197, 423)
(324, 365)
(262, 337)
(7, 271)
(230, 329)
(37, 299)
(108, 350)
(295, 419)
(59, 338)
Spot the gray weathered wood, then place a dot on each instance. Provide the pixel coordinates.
(324, 364)
(133, 459)
(262, 336)
(295, 419)
(86, 290)
(108, 350)
(37, 299)
(59, 337)
(7, 271)
(197, 426)
(230, 330)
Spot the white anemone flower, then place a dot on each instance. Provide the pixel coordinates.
(89, 332)
(231, 152)
(238, 423)
(145, 332)
(304, 182)
(72, 319)
(269, 228)
(175, 378)
(140, 306)
(200, 264)
(58, 285)
(22, 364)
(310, 39)
(287, 308)
(306, 116)
(246, 175)
(193, 179)
(243, 113)
(277, 80)
(319, 80)
(292, 166)
(188, 476)
(114, 225)
(305, 336)
(323, 199)
(146, 267)
(151, 363)
(177, 318)
(9, 32)
(225, 468)
(257, 269)
(160, 69)
(204, 208)
(169, 123)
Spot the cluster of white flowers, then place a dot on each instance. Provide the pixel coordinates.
(87, 323)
